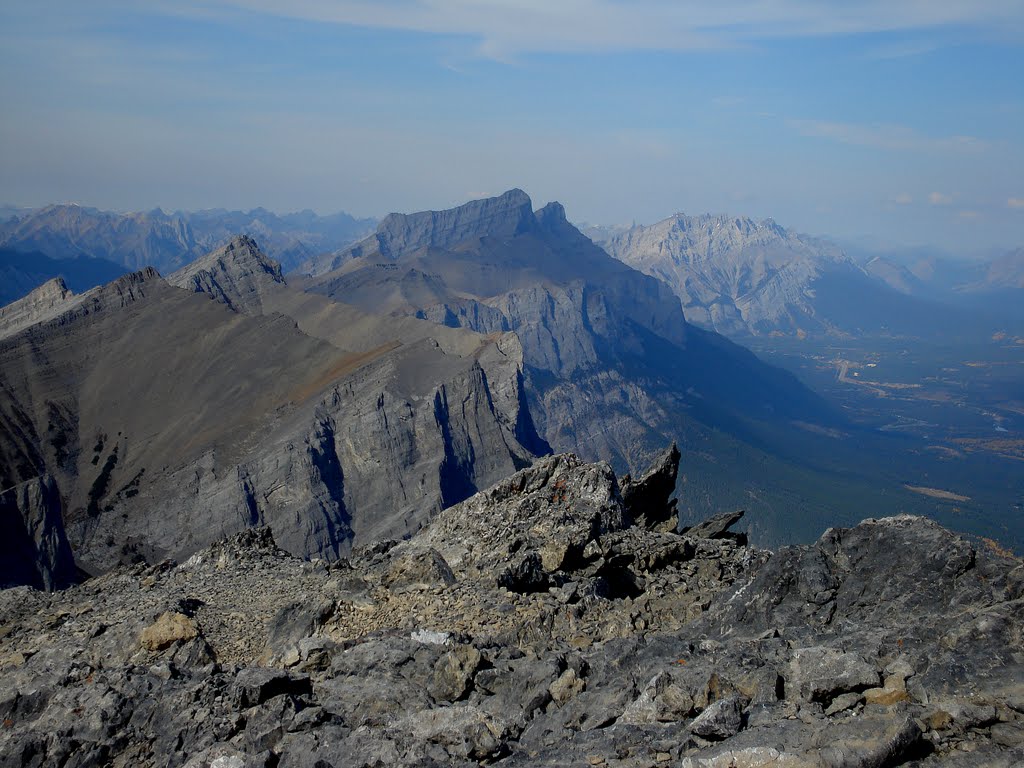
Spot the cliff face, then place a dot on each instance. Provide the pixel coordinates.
(550, 620)
(43, 303)
(34, 549)
(169, 420)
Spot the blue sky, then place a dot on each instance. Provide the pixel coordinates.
(897, 121)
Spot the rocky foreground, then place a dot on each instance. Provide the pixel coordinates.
(555, 619)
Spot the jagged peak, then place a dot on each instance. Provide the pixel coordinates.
(54, 287)
(40, 304)
(552, 214)
(54, 300)
(241, 252)
(236, 274)
(144, 275)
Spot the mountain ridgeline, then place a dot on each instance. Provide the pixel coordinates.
(169, 241)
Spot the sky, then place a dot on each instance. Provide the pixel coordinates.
(895, 122)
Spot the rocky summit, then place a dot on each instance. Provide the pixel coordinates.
(554, 619)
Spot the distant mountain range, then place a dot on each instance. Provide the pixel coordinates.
(993, 286)
(168, 241)
(743, 277)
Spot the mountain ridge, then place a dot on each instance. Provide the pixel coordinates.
(169, 241)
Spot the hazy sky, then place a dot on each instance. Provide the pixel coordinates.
(903, 121)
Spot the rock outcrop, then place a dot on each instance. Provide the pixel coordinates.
(894, 642)
(45, 302)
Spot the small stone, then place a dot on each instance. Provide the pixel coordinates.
(162, 670)
(453, 673)
(255, 685)
(844, 702)
(16, 659)
(170, 628)
(566, 687)
(431, 637)
(885, 697)
(720, 720)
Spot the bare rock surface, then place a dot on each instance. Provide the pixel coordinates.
(636, 647)
(233, 274)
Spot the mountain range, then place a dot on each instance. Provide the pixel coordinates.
(168, 241)
(744, 277)
(396, 377)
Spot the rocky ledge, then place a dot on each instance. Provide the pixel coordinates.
(554, 619)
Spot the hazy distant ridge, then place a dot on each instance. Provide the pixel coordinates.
(169, 241)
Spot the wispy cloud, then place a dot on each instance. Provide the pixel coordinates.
(903, 198)
(1015, 202)
(888, 137)
(902, 50)
(939, 198)
(505, 27)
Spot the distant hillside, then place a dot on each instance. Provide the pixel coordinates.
(21, 273)
(168, 241)
(994, 288)
(743, 277)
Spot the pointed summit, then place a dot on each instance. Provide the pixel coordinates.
(237, 274)
(45, 302)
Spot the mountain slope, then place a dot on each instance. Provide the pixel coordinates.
(167, 418)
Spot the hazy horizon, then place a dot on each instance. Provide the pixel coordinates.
(901, 123)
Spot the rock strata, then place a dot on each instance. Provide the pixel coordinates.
(895, 642)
